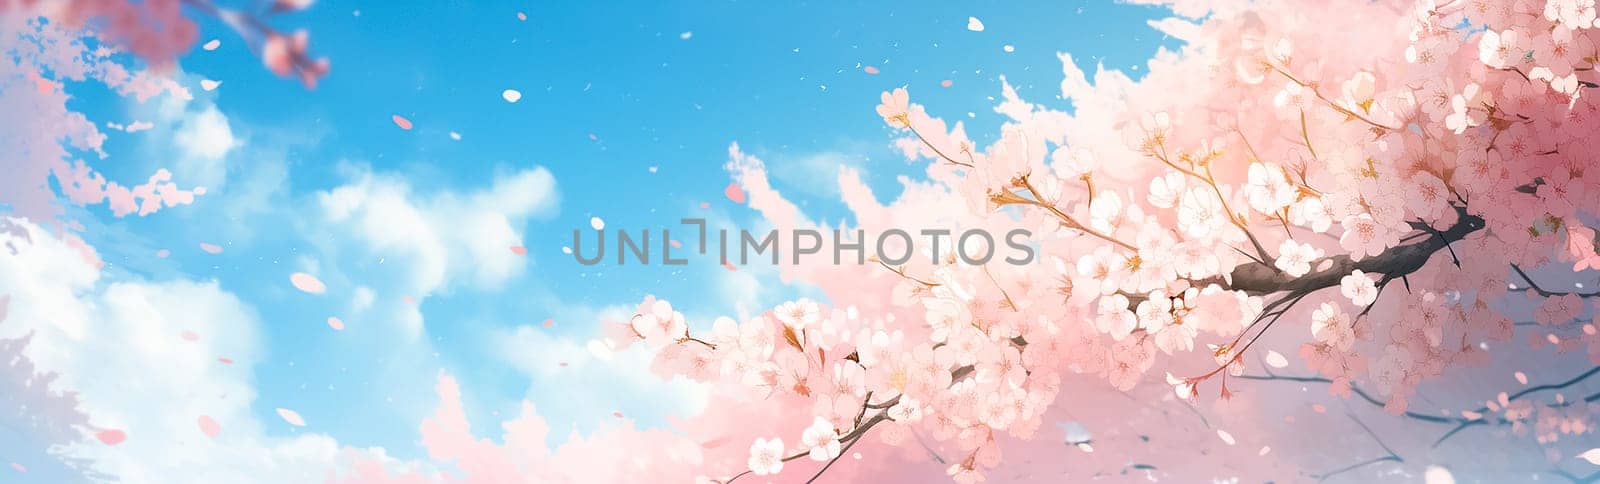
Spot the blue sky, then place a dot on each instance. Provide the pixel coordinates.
(783, 81)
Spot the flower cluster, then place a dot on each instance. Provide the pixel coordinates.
(1301, 189)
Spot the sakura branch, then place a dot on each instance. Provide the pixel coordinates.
(1454, 153)
(284, 55)
(1391, 456)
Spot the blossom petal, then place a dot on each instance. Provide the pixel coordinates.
(111, 436)
(292, 417)
(307, 283)
(208, 426)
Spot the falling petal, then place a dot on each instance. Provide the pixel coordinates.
(307, 283)
(1319, 408)
(408, 299)
(974, 24)
(566, 250)
(519, 250)
(209, 426)
(209, 85)
(870, 70)
(190, 336)
(1437, 475)
(212, 45)
(1264, 450)
(19, 467)
(455, 136)
(686, 35)
(163, 253)
(1591, 455)
(1522, 378)
(729, 266)
(734, 192)
(225, 361)
(616, 414)
(549, 322)
(210, 248)
(111, 436)
(946, 83)
(335, 323)
(1226, 437)
(676, 244)
(597, 223)
(1009, 48)
(522, 16)
(511, 95)
(292, 417)
(401, 121)
(705, 205)
(1276, 359)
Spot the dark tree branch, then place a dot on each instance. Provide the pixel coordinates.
(1461, 423)
(1259, 279)
(1513, 397)
(1356, 390)
(849, 439)
(1592, 477)
(1392, 457)
(1545, 293)
(1358, 465)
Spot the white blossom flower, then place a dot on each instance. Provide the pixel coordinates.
(1359, 288)
(766, 456)
(822, 439)
(798, 314)
(1295, 258)
(1331, 326)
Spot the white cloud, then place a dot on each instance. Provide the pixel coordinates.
(442, 236)
(125, 347)
(204, 134)
(816, 174)
(563, 372)
(408, 242)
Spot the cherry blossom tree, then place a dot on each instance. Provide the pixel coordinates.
(36, 420)
(1390, 184)
(1386, 190)
(130, 47)
(1389, 191)
(47, 43)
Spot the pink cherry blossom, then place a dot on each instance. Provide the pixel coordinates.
(821, 440)
(1331, 326)
(1359, 288)
(895, 106)
(1295, 258)
(798, 315)
(766, 456)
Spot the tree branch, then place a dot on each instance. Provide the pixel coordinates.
(1356, 390)
(1513, 397)
(1260, 279)
(1392, 457)
(1545, 293)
